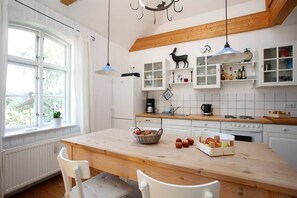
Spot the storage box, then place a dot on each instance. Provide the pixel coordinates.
(279, 114)
(221, 138)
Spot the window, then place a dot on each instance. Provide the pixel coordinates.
(38, 76)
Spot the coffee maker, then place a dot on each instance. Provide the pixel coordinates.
(150, 105)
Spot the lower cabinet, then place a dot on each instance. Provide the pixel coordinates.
(282, 139)
(176, 127)
(204, 126)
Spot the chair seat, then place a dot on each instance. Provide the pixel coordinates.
(104, 185)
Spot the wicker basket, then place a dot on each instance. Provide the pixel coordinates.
(152, 138)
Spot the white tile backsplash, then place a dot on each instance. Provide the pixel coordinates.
(251, 104)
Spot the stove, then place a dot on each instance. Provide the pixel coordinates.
(240, 117)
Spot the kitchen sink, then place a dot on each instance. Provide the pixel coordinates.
(174, 114)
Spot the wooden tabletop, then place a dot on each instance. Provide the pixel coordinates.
(263, 120)
(253, 164)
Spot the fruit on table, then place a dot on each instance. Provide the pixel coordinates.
(215, 142)
(191, 141)
(208, 140)
(137, 131)
(178, 144)
(185, 143)
(224, 144)
(178, 140)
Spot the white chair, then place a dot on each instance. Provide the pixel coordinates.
(103, 185)
(152, 188)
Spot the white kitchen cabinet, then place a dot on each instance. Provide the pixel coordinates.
(206, 75)
(204, 126)
(233, 68)
(155, 75)
(176, 127)
(282, 139)
(278, 65)
(148, 122)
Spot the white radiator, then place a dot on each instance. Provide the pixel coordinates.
(28, 164)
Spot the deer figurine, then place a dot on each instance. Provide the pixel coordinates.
(178, 59)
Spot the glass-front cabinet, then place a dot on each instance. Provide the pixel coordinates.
(278, 65)
(206, 75)
(154, 75)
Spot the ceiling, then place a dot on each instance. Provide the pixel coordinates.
(126, 28)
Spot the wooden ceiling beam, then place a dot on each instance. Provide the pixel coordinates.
(67, 2)
(277, 11)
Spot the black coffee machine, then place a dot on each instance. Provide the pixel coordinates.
(150, 105)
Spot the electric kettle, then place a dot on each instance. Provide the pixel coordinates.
(207, 109)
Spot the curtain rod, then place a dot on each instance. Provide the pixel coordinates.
(93, 38)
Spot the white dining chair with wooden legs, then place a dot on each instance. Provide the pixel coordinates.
(103, 185)
(152, 188)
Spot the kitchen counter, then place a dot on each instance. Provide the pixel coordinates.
(206, 118)
(263, 120)
(254, 170)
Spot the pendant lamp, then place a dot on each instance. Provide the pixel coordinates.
(107, 69)
(227, 55)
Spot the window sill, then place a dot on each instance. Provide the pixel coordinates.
(36, 130)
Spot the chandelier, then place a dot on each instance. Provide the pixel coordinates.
(156, 6)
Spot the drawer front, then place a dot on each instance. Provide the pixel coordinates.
(212, 124)
(273, 128)
(149, 120)
(176, 122)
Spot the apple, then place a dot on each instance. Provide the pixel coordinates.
(185, 143)
(217, 144)
(178, 140)
(224, 144)
(137, 132)
(191, 141)
(209, 139)
(178, 145)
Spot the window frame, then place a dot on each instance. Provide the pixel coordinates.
(40, 66)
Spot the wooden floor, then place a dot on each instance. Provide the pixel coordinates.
(51, 188)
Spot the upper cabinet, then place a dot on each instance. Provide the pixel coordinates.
(154, 75)
(277, 65)
(206, 75)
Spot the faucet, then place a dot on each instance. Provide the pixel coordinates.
(173, 109)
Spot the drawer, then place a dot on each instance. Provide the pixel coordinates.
(274, 128)
(211, 124)
(149, 120)
(176, 122)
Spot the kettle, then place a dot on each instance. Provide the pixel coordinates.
(207, 109)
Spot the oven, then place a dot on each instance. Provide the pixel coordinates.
(249, 132)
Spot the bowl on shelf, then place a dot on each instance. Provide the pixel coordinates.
(147, 135)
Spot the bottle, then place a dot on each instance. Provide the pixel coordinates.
(243, 74)
(230, 76)
(239, 74)
(222, 75)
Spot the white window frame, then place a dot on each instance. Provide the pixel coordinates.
(40, 66)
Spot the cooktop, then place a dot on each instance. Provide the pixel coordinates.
(239, 117)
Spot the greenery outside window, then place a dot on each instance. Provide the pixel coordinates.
(38, 78)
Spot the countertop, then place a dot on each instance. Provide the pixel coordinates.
(263, 120)
(254, 170)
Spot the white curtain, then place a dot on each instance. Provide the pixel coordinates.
(3, 69)
(83, 83)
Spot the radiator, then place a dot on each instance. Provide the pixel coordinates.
(28, 164)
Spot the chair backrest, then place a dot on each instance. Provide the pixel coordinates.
(152, 188)
(73, 169)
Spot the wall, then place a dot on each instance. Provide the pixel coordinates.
(232, 98)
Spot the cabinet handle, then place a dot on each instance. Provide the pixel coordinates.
(205, 124)
(284, 129)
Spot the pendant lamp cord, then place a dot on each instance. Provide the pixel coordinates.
(226, 21)
(108, 32)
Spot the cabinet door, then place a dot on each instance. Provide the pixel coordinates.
(196, 131)
(177, 130)
(278, 65)
(206, 75)
(285, 145)
(154, 76)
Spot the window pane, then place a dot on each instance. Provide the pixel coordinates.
(22, 43)
(20, 112)
(50, 104)
(54, 83)
(54, 52)
(20, 79)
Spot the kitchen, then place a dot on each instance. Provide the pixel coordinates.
(232, 98)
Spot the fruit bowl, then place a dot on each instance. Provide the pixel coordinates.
(147, 135)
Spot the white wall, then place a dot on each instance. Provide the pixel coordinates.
(230, 93)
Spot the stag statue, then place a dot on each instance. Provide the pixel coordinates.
(178, 59)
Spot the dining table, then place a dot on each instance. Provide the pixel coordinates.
(254, 170)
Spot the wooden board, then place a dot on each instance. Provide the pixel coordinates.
(253, 170)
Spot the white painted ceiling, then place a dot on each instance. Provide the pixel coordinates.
(126, 28)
